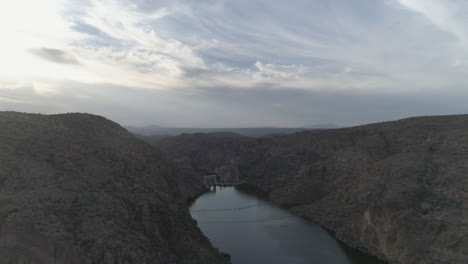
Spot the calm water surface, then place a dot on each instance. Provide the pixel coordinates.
(248, 235)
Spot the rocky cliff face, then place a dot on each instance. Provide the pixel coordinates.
(78, 188)
(398, 190)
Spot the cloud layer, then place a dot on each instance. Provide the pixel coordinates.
(405, 53)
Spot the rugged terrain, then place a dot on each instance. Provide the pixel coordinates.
(213, 153)
(77, 188)
(398, 190)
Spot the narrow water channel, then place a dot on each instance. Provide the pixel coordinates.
(255, 231)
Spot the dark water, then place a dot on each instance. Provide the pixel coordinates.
(249, 236)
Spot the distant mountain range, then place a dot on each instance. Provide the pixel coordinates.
(245, 131)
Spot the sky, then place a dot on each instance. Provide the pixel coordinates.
(220, 63)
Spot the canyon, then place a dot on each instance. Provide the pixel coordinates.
(397, 190)
(78, 188)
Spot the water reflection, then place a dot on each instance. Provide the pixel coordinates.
(289, 240)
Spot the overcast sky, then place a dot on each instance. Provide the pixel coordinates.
(235, 63)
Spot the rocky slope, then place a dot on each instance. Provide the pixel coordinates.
(77, 188)
(398, 190)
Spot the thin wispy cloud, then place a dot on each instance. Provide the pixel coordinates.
(449, 16)
(55, 55)
(386, 47)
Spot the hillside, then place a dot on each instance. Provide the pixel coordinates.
(218, 153)
(398, 190)
(77, 188)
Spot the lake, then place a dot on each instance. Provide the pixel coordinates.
(253, 230)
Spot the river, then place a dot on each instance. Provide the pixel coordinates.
(255, 231)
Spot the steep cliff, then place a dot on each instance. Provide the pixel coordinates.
(77, 188)
(398, 190)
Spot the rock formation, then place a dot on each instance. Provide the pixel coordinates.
(77, 188)
(397, 190)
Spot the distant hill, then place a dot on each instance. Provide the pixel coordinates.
(323, 126)
(245, 131)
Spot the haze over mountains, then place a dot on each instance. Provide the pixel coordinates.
(245, 131)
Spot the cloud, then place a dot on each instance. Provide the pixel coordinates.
(446, 15)
(230, 106)
(177, 58)
(55, 55)
(13, 100)
(280, 71)
(179, 44)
